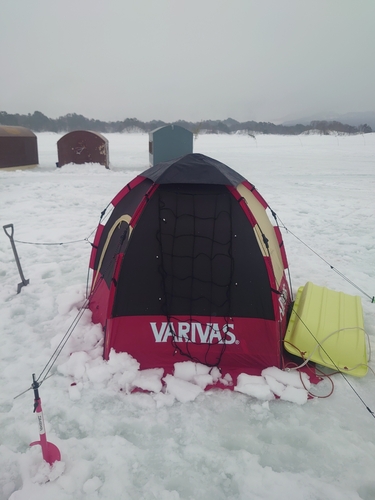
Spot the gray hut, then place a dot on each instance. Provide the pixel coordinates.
(83, 146)
(18, 148)
(169, 142)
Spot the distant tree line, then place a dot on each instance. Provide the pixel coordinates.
(38, 122)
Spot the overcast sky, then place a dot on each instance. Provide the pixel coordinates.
(263, 60)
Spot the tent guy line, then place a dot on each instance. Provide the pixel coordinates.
(52, 244)
(319, 345)
(342, 275)
(50, 363)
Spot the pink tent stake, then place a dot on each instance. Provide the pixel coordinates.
(50, 452)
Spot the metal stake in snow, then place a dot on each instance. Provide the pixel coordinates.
(50, 452)
(10, 236)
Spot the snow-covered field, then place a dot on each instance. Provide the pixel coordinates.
(216, 444)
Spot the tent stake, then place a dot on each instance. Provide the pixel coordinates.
(50, 452)
(24, 281)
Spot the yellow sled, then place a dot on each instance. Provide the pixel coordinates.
(326, 327)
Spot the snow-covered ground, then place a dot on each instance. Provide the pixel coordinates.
(197, 445)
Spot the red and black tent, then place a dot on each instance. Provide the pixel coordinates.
(189, 267)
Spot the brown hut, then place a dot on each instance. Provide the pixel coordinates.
(18, 148)
(82, 146)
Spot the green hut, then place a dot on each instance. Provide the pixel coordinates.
(169, 142)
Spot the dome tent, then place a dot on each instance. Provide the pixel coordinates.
(189, 267)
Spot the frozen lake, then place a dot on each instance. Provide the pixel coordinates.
(222, 445)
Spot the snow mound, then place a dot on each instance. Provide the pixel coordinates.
(289, 386)
(122, 373)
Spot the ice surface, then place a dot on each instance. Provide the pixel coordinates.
(176, 441)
